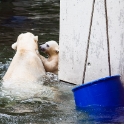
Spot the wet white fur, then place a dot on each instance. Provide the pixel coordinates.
(51, 48)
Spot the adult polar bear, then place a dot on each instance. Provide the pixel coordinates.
(23, 78)
(26, 64)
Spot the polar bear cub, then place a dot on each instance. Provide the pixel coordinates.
(51, 48)
(26, 65)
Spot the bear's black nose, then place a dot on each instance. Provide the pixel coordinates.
(42, 49)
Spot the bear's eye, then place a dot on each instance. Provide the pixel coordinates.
(47, 45)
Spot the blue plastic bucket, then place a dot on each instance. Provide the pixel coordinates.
(103, 92)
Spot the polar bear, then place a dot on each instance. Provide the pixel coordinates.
(26, 65)
(51, 48)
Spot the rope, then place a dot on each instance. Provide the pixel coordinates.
(88, 41)
(107, 34)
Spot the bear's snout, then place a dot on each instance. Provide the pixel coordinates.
(42, 48)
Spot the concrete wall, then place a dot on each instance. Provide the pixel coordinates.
(91, 39)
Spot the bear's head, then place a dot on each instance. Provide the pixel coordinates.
(50, 47)
(26, 41)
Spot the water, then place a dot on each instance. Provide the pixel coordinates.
(41, 17)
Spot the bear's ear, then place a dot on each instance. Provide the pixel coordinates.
(35, 38)
(14, 46)
(57, 50)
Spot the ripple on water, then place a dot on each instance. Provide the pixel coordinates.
(51, 102)
(26, 90)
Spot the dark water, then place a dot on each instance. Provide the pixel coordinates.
(41, 17)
